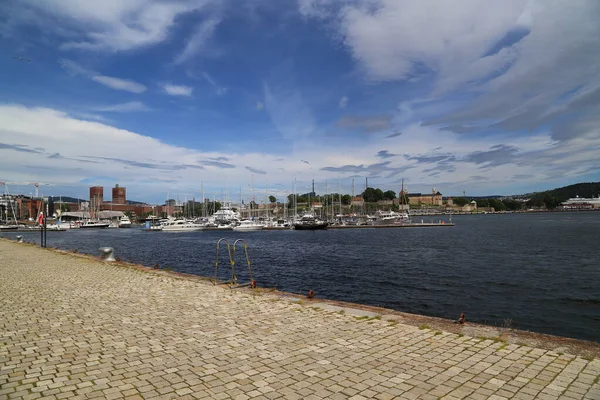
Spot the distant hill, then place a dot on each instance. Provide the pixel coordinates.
(67, 199)
(135, 202)
(588, 189)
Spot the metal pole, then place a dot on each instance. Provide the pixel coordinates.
(46, 223)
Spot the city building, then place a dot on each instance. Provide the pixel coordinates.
(119, 195)
(96, 197)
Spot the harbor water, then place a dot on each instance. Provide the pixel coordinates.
(535, 271)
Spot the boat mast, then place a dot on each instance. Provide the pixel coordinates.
(352, 194)
(326, 208)
(203, 200)
(340, 196)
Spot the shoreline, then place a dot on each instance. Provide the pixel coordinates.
(501, 335)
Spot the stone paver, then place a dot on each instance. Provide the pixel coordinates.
(72, 327)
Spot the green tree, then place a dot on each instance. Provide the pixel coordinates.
(550, 201)
(497, 204)
(371, 195)
(389, 195)
(483, 202)
(460, 201)
(272, 199)
(346, 199)
(512, 205)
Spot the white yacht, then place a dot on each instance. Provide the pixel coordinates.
(124, 222)
(248, 225)
(389, 217)
(226, 215)
(181, 225)
(94, 224)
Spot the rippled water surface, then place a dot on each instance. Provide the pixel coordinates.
(541, 271)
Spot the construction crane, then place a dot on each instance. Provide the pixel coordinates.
(36, 184)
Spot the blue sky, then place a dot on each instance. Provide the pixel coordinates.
(166, 96)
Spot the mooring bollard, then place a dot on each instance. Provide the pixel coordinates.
(107, 253)
(19, 239)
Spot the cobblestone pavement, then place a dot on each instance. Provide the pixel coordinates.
(72, 327)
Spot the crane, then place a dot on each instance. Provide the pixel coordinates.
(36, 184)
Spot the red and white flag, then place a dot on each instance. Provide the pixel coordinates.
(41, 219)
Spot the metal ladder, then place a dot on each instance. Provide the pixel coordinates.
(233, 282)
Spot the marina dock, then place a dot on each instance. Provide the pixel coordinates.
(72, 326)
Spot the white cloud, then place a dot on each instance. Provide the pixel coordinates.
(96, 151)
(259, 105)
(343, 102)
(120, 84)
(113, 25)
(131, 106)
(391, 37)
(197, 42)
(177, 90)
(75, 68)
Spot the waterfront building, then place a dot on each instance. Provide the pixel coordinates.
(581, 203)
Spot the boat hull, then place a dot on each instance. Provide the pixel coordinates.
(247, 228)
(310, 227)
(183, 229)
(98, 226)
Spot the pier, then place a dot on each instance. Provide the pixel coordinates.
(72, 326)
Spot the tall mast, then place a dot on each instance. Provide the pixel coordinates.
(340, 196)
(352, 194)
(203, 200)
(326, 195)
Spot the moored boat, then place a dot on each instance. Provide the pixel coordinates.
(248, 225)
(94, 224)
(309, 222)
(124, 222)
(181, 225)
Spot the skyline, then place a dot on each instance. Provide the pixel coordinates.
(491, 99)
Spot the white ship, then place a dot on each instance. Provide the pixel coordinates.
(181, 225)
(248, 225)
(124, 222)
(389, 217)
(226, 215)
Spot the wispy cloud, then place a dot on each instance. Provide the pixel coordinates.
(120, 84)
(285, 104)
(217, 164)
(385, 154)
(198, 40)
(112, 26)
(366, 124)
(343, 102)
(75, 68)
(20, 147)
(176, 90)
(393, 135)
(259, 105)
(256, 171)
(132, 106)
